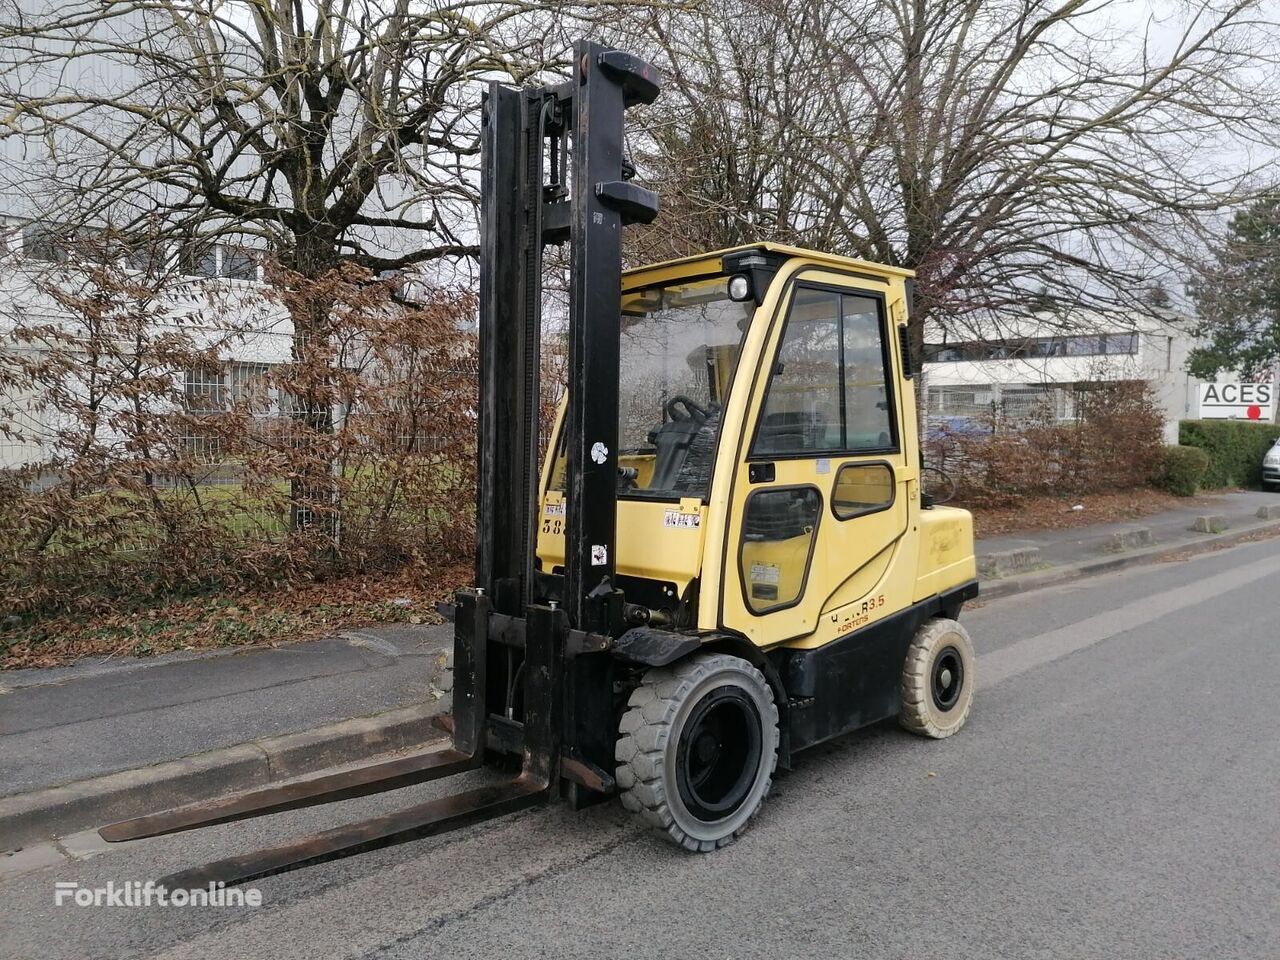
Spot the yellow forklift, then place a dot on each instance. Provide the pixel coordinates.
(725, 556)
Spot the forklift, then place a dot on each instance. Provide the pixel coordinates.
(723, 558)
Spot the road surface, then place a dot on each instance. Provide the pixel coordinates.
(1116, 793)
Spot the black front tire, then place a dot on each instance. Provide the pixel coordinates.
(697, 749)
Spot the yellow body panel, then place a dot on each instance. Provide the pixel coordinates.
(870, 551)
(946, 551)
(658, 541)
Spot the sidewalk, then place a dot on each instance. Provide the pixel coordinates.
(82, 745)
(87, 744)
(70, 723)
(1005, 557)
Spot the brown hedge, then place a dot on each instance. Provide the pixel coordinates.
(142, 493)
(1115, 444)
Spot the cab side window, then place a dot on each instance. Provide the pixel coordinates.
(862, 488)
(869, 423)
(778, 531)
(828, 391)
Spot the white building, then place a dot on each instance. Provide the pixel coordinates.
(222, 306)
(1038, 366)
(218, 294)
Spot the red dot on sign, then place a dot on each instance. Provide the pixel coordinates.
(1255, 413)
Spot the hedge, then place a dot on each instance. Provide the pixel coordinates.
(1117, 444)
(1183, 471)
(1235, 449)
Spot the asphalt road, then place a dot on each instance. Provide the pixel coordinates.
(1116, 794)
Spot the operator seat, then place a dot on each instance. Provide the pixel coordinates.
(683, 452)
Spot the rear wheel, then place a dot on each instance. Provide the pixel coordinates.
(937, 680)
(697, 748)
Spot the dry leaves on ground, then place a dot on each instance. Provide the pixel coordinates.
(1056, 513)
(302, 612)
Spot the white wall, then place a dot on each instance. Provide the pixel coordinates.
(1162, 351)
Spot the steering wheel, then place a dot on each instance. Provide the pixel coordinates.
(691, 409)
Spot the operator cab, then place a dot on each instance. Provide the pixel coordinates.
(781, 363)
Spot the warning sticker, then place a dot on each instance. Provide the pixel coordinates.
(674, 518)
(765, 573)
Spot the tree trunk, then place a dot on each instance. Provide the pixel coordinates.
(313, 491)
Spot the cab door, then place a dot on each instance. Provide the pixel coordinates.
(820, 494)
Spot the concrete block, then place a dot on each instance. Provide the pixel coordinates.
(1270, 512)
(1214, 523)
(57, 811)
(297, 754)
(1127, 540)
(1006, 562)
(83, 845)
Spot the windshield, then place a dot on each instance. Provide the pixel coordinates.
(678, 349)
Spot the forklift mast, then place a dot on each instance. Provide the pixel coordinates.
(546, 181)
(553, 172)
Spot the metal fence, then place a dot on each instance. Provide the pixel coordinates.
(995, 405)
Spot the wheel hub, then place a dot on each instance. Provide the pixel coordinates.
(948, 678)
(718, 755)
(707, 749)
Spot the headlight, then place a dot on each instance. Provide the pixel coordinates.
(739, 287)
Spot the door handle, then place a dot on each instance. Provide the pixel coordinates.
(761, 473)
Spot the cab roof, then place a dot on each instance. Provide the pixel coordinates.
(709, 263)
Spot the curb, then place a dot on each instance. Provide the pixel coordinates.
(994, 589)
(57, 811)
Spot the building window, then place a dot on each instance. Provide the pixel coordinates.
(204, 390)
(959, 402)
(214, 390)
(204, 393)
(198, 259)
(54, 243)
(249, 385)
(1108, 344)
(239, 263)
(204, 259)
(41, 243)
(1121, 343)
(147, 258)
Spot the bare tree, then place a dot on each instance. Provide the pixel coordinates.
(1009, 151)
(307, 125)
(327, 132)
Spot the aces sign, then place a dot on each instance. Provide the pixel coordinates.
(1236, 401)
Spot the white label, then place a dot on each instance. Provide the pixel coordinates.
(599, 554)
(824, 465)
(1236, 401)
(599, 452)
(765, 573)
(674, 518)
(554, 509)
